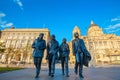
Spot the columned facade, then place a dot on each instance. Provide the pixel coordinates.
(104, 48)
(18, 43)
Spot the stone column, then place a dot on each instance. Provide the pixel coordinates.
(21, 59)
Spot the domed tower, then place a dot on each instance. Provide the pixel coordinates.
(94, 30)
(76, 29)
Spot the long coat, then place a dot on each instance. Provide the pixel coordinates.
(64, 50)
(81, 48)
(39, 47)
(52, 48)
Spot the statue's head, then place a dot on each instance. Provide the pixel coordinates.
(41, 36)
(64, 40)
(76, 35)
(52, 37)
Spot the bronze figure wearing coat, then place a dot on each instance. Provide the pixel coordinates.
(39, 46)
(81, 54)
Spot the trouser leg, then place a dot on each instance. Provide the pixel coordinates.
(37, 63)
(81, 65)
(77, 62)
(49, 65)
(76, 67)
(53, 65)
(66, 66)
(80, 69)
(62, 65)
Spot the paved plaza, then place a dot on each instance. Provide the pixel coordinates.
(98, 73)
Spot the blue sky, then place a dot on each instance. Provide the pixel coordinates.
(60, 16)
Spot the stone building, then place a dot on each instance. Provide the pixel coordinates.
(104, 48)
(0, 33)
(21, 40)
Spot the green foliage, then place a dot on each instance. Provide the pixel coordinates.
(5, 69)
(2, 47)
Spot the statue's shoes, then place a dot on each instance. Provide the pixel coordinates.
(67, 75)
(52, 75)
(36, 76)
(76, 72)
(81, 76)
(49, 74)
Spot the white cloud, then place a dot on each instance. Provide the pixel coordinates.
(109, 27)
(2, 14)
(9, 24)
(19, 3)
(114, 31)
(3, 23)
(115, 19)
(113, 26)
(6, 25)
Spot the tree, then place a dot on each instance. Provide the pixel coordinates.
(25, 52)
(9, 53)
(17, 54)
(2, 47)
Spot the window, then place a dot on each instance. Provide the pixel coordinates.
(13, 43)
(3, 34)
(35, 34)
(119, 43)
(100, 43)
(8, 34)
(29, 41)
(105, 43)
(18, 34)
(95, 43)
(44, 33)
(17, 44)
(29, 38)
(22, 43)
(13, 34)
(8, 43)
(23, 37)
(23, 33)
(30, 34)
(111, 43)
(34, 37)
(90, 43)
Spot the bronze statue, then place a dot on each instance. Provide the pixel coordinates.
(39, 46)
(64, 56)
(52, 49)
(81, 54)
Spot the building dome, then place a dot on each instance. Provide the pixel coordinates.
(76, 29)
(94, 30)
